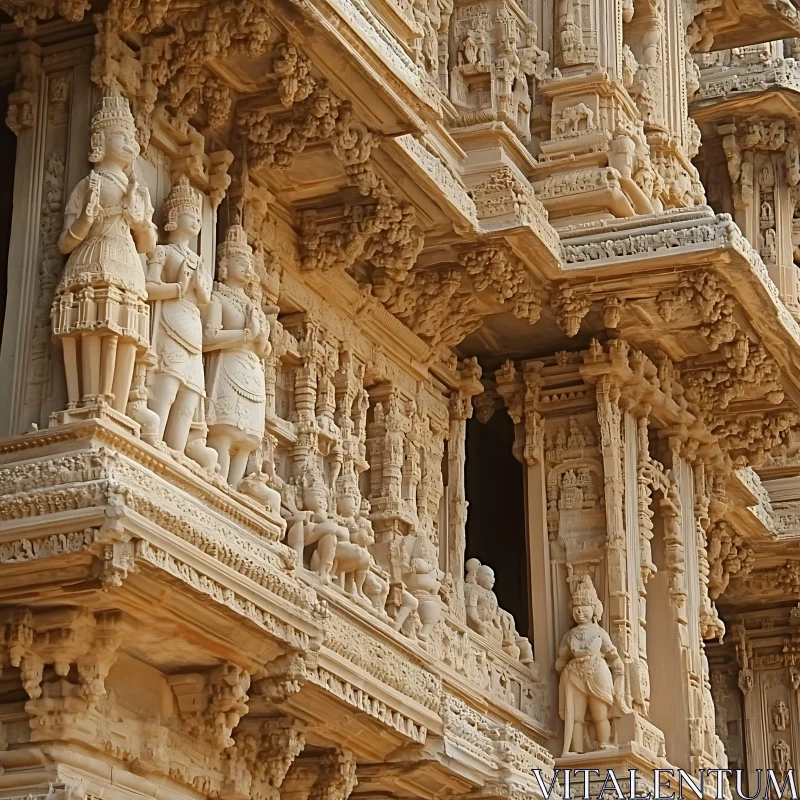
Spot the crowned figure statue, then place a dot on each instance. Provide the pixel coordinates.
(236, 335)
(100, 312)
(592, 673)
(312, 525)
(352, 561)
(178, 286)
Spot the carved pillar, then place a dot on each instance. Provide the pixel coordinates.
(611, 445)
(541, 600)
(452, 552)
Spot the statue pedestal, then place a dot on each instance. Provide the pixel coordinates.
(97, 409)
(640, 746)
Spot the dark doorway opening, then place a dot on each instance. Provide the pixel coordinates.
(8, 146)
(495, 492)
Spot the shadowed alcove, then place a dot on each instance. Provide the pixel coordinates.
(496, 513)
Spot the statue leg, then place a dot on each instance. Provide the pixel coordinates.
(221, 442)
(165, 390)
(579, 724)
(180, 419)
(69, 346)
(408, 604)
(238, 465)
(123, 375)
(360, 575)
(599, 711)
(376, 591)
(90, 364)
(326, 552)
(295, 538)
(108, 362)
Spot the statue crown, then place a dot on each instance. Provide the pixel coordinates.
(311, 479)
(584, 594)
(113, 112)
(183, 196)
(235, 243)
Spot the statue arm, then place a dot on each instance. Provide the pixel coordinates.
(156, 288)
(564, 654)
(143, 230)
(214, 337)
(204, 280)
(145, 238)
(77, 223)
(473, 618)
(617, 666)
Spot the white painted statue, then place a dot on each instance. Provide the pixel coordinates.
(178, 286)
(100, 313)
(592, 673)
(236, 335)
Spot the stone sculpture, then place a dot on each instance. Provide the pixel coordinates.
(352, 561)
(423, 578)
(485, 616)
(236, 335)
(591, 670)
(178, 286)
(100, 314)
(312, 524)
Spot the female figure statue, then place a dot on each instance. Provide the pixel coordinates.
(101, 298)
(178, 285)
(592, 673)
(236, 333)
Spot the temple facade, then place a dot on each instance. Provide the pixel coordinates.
(399, 399)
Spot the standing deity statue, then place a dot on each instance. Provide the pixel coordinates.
(236, 335)
(100, 313)
(178, 286)
(592, 673)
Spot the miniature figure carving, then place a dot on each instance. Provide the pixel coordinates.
(100, 313)
(571, 118)
(780, 716)
(236, 335)
(781, 757)
(592, 673)
(178, 286)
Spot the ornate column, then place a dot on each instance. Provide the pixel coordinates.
(539, 565)
(452, 553)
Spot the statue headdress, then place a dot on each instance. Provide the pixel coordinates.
(312, 478)
(584, 594)
(347, 484)
(111, 113)
(182, 197)
(235, 244)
